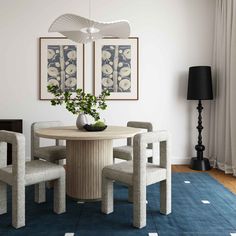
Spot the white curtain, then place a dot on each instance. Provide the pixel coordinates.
(222, 141)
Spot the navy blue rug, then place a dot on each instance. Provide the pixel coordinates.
(200, 206)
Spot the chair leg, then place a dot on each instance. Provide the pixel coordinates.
(49, 184)
(107, 195)
(59, 203)
(139, 208)
(165, 197)
(39, 192)
(3, 198)
(130, 194)
(18, 206)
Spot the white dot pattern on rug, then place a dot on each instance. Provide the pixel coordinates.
(152, 234)
(205, 202)
(79, 202)
(232, 234)
(69, 234)
(187, 182)
(146, 201)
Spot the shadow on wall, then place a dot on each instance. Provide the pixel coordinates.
(182, 86)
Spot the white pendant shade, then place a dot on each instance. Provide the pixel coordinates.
(83, 30)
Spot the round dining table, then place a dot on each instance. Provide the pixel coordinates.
(86, 155)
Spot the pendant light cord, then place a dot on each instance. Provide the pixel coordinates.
(90, 12)
(90, 23)
(90, 9)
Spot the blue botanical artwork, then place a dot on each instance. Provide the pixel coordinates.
(116, 68)
(62, 66)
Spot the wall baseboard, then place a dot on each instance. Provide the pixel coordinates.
(174, 161)
(180, 161)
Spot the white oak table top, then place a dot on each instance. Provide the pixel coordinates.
(72, 133)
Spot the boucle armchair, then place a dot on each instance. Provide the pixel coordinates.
(138, 174)
(54, 154)
(126, 152)
(21, 174)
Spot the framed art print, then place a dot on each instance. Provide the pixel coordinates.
(61, 64)
(116, 68)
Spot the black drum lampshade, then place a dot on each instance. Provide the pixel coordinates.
(200, 83)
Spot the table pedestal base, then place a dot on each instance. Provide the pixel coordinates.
(84, 163)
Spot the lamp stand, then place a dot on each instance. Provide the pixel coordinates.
(199, 162)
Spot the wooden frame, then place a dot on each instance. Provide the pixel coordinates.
(67, 60)
(116, 68)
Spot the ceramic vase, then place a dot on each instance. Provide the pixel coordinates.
(81, 121)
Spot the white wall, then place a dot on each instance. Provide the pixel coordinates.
(174, 34)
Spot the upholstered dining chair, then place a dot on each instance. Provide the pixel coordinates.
(21, 174)
(54, 154)
(126, 152)
(138, 174)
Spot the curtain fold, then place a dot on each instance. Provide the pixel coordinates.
(222, 141)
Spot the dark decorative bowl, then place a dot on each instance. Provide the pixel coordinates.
(92, 128)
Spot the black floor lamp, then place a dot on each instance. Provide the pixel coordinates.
(200, 88)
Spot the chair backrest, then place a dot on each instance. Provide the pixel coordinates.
(141, 125)
(35, 140)
(18, 153)
(139, 151)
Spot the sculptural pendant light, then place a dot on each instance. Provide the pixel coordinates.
(83, 30)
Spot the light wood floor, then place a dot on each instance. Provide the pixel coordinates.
(228, 181)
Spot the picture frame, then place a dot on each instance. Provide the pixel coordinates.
(61, 63)
(116, 68)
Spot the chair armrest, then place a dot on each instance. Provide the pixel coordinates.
(3, 154)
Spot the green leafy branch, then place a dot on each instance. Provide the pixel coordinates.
(79, 102)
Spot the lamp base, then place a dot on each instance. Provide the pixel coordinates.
(200, 164)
